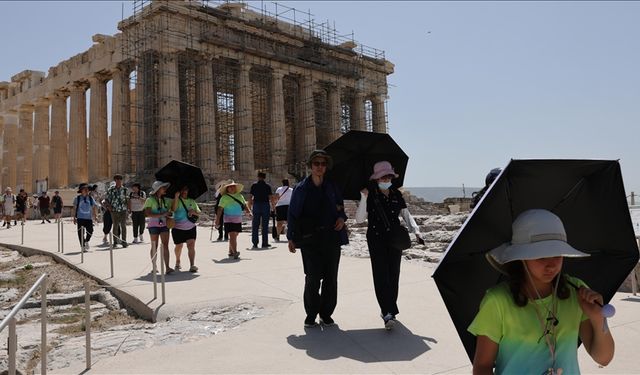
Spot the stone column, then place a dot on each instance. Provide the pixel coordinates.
(378, 113)
(308, 114)
(357, 112)
(78, 166)
(169, 146)
(41, 141)
(206, 146)
(58, 156)
(278, 130)
(98, 136)
(120, 122)
(335, 112)
(10, 150)
(1, 146)
(25, 148)
(244, 125)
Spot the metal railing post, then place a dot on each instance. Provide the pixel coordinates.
(87, 324)
(162, 270)
(22, 233)
(82, 244)
(111, 252)
(43, 327)
(58, 228)
(154, 260)
(62, 236)
(12, 346)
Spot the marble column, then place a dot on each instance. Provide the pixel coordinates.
(1, 147)
(378, 113)
(10, 150)
(278, 126)
(120, 122)
(25, 148)
(169, 140)
(206, 146)
(335, 112)
(78, 165)
(41, 140)
(98, 135)
(308, 114)
(244, 125)
(58, 156)
(357, 112)
(140, 157)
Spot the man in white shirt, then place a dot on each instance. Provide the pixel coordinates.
(281, 201)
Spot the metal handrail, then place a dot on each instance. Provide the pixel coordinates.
(24, 299)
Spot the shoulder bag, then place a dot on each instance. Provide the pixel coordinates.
(193, 218)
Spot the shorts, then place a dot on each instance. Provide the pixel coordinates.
(45, 211)
(282, 212)
(232, 227)
(181, 236)
(157, 230)
(57, 210)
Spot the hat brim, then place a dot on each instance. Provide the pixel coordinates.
(507, 252)
(380, 174)
(166, 184)
(223, 189)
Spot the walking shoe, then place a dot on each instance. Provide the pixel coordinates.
(42, 222)
(327, 321)
(48, 221)
(266, 246)
(236, 255)
(124, 244)
(141, 238)
(389, 321)
(255, 246)
(310, 322)
(169, 270)
(177, 267)
(135, 240)
(105, 240)
(193, 269)
(219, 239)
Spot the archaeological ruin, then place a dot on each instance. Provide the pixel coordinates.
(222, 85)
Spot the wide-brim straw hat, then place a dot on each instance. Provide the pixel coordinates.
(8, 189)
(157, 185)
(537, 233)
(381, 169)
(226, 184)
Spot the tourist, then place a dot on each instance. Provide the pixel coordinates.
(107, 223)
(44, 201)
(137, 198)
(56, 202)
(156, 208)
(220, 229)
(380, 204)
(8, 206)
(185, 213)
(532, 322)
(259, 201)
(116, 202)
(22, 201)
(281, 199)
(488, 180)
(84, 211)
(316, 226)
(232, 205)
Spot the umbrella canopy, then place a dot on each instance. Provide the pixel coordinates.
(181, 174)
(354, 155)
(589, 198)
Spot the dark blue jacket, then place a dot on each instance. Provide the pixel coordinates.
(334, 199)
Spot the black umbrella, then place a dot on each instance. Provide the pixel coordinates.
(181, 174)
(589, 197)
(354, 155)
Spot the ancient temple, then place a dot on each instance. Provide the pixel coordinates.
(221, 85)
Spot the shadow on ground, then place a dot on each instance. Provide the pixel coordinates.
(364, 345)
(174, 276)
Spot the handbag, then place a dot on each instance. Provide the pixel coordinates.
(192, 218)
(171, 222)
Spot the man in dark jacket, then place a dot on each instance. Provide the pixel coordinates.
(316, 225)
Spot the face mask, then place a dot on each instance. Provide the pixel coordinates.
(384, 185)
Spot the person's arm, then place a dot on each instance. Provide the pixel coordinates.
(94, 209)
(218, 216)
(594, 332)
(361, 212)
(485, 356)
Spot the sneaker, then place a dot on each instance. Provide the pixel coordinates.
(266, 246)
(48, 221)
(328, 321)
(169, 270)
(389, 321)
(236, 255)
(105, 241)
(219, 239)
(310, 322)
(254, 247)
(42, 222)
(141, 239)
(177, 267)
(86, 247)
(124, 244)
(135, 240)
(193, 269)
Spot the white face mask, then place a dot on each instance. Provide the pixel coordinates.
(384, 185)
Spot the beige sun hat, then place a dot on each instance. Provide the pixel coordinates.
(224, 185)
(537, 233)
(157, 185)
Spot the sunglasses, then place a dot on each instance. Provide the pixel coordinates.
(319, 163)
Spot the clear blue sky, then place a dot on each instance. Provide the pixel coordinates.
(475, 83)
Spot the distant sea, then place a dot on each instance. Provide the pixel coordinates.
(438, 194)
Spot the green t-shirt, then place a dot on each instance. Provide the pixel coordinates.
(517, 331)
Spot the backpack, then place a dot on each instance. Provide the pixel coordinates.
(83, 206)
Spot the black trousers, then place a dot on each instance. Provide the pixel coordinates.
(88, 228)
(320, 262)
(137, 218)
(107, 223)
(385, 266)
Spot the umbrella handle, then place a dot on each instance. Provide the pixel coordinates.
(607, 310)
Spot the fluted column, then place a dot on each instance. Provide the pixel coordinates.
(335, 112)
(78, 167)
(120, 122)
(308, 114)
(41, 140)
(10, 150)
(98, 135)
(206, 146)
(244, 125)
(1, 148)
(58, 155)
(357, 112)
(278, 126)
(378, 114)
(25, 148)
(169, 112)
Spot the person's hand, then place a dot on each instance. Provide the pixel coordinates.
(339, 224)
(292, 246)
(177, 195)
(364, 192)
(587, 299)
(216, 224)
(75, 221)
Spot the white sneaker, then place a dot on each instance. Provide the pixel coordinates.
(105, 240)
(141, 239)
(135, 240)
(86, 246)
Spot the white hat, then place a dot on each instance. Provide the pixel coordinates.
(537, 233)
(157, 185)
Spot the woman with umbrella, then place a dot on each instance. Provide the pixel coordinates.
(156, 208)
(531, 323)
(185, 212)
(381, 203)
(232, 204)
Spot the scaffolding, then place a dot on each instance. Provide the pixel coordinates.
(186, 73)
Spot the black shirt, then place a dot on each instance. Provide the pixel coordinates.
(391, 206)
(260, 192)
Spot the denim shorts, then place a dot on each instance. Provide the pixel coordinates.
(157, 230)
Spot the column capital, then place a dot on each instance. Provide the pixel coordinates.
(26, 107)
(98, 78)
(78, 86)
(42, 102)
(278, 73)
(61, 93)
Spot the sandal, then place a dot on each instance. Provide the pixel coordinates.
(168, 271)
(177, 267)
(193, 269)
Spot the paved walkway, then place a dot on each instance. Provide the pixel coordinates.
(424, 342)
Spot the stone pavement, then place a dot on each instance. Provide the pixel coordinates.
(423, 342)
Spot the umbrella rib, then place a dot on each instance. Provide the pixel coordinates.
(574, 188)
